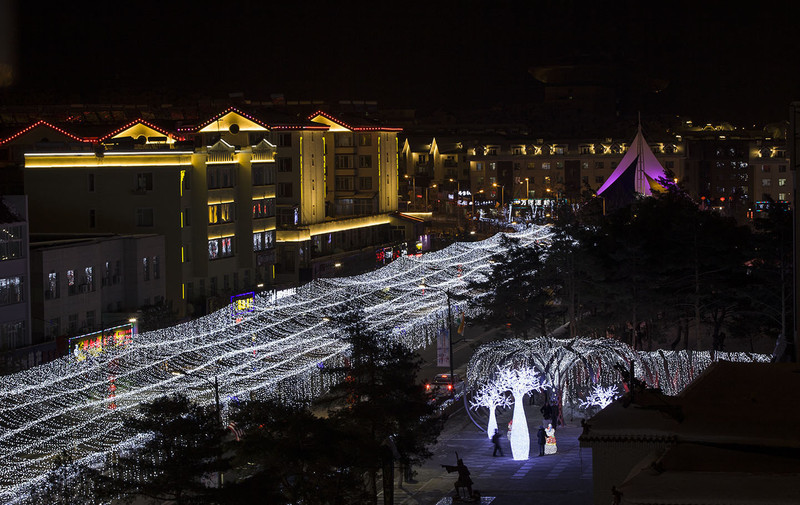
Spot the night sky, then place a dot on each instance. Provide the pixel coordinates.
(722, 60)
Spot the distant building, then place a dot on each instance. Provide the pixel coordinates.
(83, 284)
(15, 285)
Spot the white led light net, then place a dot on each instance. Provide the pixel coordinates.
(277, 350)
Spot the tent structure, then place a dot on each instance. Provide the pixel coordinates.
(637, 174)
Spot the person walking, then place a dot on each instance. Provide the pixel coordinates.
(541, 437)
(496, 442)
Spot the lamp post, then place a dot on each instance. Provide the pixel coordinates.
(450, 333)
(502, 193)
(413, 191)
(527, 190)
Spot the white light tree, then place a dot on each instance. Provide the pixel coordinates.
(491, 395)
(600, 397)
(520, 381)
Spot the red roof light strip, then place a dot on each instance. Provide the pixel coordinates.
(353, 128)
(138, 121)
(43, 122)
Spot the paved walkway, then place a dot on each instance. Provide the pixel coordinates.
(564, 478)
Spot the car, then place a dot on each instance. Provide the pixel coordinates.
(441, 385)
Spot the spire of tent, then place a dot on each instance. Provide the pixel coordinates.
(646, 165)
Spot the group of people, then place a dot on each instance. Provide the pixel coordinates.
(546, 438)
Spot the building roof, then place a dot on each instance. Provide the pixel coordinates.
(692, 473)
(729, 403)
(8, 215)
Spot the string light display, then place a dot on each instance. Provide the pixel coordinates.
(274, 351)
(600, 397)
(491, 395)
(575, 366)
(520, 380)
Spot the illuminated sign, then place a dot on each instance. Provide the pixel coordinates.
(92, 345)
(242, 304)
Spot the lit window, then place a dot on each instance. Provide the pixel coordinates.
(781, 182)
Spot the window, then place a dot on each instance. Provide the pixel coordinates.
(263, 240)
(284, 189)
(264, 174)
(365, 139)
(781, 196)
(364, 183)
(343, 161)
(10, 290)
(11, 243)
(365, 161)
(51, 291)
(599, 179)
(547, 181)
(145, 269)
(220, 176)
(599, 165)
(12, 335)
(91, 182)
(284, 216)
(144, 181)
(343, 140)
(144, 217)
(187, 217)
(88, 279)
(90, 319)
(669, 164)
(53, 329)
(284, 140)
(284, 164)
(781, 182)
(546, 166)
(766, 168)
(92, 221)
(585, 179)
(345, 183)
(766, 182)
(222, 213)
(220, 248)
(264, 207)
(186, 179)
(781, 168)
(72, 287)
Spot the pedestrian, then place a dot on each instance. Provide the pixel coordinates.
(541, 437)
(496, 442)
(509, 428)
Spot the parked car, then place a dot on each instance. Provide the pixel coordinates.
(441, 385)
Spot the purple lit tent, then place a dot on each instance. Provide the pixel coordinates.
(636, 174)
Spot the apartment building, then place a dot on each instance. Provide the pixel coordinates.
(15, 285)
(718, 164)
(211, 199)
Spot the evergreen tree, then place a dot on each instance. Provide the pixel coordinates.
(516, 295)
(385, 408)
(289, 455)
(177, 460)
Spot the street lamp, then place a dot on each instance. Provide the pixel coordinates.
(502, 194)
(449, 330)
(527, 190)
(413, 190)
(455, 199)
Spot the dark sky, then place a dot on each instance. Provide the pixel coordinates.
(722, 59)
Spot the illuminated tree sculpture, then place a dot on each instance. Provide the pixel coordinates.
(600, 397)
(520, 381)
(491, 395)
